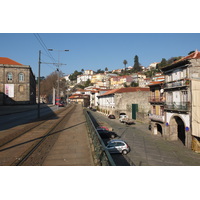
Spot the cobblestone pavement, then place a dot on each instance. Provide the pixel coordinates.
(150, 150)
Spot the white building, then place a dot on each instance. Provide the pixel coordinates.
(83, 78)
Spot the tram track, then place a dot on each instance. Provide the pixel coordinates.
(40, 135)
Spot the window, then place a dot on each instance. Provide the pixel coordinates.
(111, 145)
(21, 88)
(169, 96)
(21, 77)
(162, 110)
(10, 76)
(184, 96)
(120, 144)
(154, 110)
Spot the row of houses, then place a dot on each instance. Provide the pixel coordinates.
(175, 105)
(111, 80)
(170, 103)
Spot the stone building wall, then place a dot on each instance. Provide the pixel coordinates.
(24, 91)
(124, 101)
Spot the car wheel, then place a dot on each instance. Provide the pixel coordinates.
(124, 152)
(112, 136)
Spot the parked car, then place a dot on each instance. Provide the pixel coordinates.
(61, 104)
(93, 109)
(121, 114)
(106, 134)
(111, 116)
(122, 117)
(118, 146)
(102, 127)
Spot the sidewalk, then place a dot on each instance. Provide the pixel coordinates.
(72, 148)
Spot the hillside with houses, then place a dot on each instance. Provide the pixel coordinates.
(163, 95)
(167, 101)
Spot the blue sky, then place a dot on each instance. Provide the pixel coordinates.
(95, 50)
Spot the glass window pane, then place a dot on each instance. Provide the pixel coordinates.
(10, 77)
(21, 77)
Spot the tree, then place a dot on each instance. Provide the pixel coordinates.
(87, 83)
(99, 71)
(191, 52)
(51, 81)
(106, 69)
(165, 62)
(136, 66)
(162, 64)
(73, 76)
(134, 84)
(125, 63)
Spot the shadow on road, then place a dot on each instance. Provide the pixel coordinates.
(119, 159)
(12, 116)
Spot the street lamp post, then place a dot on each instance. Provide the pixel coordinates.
(58, 64)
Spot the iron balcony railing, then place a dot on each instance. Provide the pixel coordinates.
(177, 106)
(156, 99)
(159, 118)
(101, 154)
(178, 83)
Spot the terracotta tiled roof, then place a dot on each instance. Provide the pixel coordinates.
(132, 89)
(156, 82)
(124, 90)
(8, 61)
(194, 55)
(109, 92)
(79, 96)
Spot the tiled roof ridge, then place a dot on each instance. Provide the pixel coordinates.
(193, 55)
(123, 90)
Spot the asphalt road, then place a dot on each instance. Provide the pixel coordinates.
(147, 149)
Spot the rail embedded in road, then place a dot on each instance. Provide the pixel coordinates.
(18, 150)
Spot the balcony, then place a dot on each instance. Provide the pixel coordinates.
(178, 83)
(177, 106)
(154, 117)
(154, 99)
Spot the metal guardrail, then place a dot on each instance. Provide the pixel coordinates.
(101, 154)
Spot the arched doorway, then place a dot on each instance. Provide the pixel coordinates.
(177, 129)
(159, 129)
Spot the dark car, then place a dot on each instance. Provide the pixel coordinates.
(92, 109)
(106, 134)
(111, 116)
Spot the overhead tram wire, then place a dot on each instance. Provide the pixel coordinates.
(48, 54)
(46, 49)
(43, 54)
(39, 39)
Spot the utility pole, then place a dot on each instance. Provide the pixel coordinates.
(39, 84)
(58, 71)
(39, 63)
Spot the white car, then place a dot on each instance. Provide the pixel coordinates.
(118, 146)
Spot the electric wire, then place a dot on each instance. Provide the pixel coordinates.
(39, 39)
